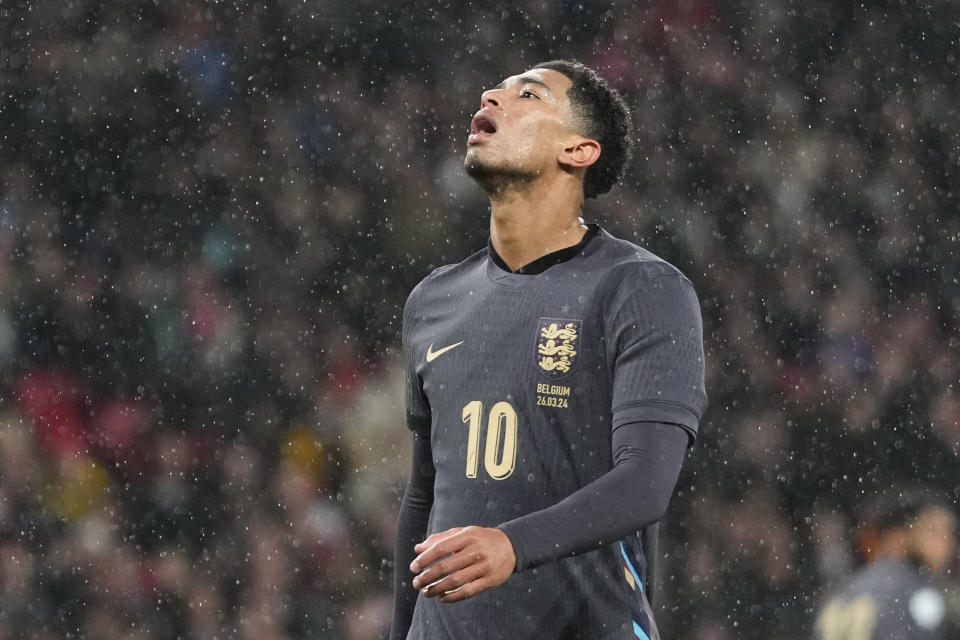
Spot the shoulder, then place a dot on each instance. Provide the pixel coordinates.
(629, 262)
(902, 594)
(884, 579)
(442, 278)
(636, 278)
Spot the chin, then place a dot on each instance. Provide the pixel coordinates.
(491, 177)
(477, 169)
(472, 158)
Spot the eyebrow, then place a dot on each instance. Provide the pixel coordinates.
(522, 80)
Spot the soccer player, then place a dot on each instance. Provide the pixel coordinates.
(909, 536)
(555, 383)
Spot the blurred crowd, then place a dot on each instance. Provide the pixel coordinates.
(211, 214)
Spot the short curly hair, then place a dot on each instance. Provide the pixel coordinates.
(605, 118)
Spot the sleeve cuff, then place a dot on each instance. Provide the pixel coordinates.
(657, 411)
(509, 528)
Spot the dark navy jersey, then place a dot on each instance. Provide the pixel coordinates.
(519, 380)
(887, 600)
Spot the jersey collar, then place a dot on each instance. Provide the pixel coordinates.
(543, 263)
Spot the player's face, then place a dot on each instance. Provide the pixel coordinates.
(521, 126)
(933, 538)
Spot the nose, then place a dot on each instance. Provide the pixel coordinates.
(489, 98)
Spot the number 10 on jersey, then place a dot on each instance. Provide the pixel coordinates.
(500, 450)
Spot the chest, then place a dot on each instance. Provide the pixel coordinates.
(535, 349)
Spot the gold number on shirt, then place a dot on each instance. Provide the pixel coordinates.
(501, 439)
(851, 621)
(471, 415)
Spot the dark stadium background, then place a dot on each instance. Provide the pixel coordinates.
(211, 213)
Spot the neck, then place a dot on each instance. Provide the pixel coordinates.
(892, 546)
(529, 221)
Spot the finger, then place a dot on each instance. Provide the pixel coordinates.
(435, 538)
(444, 568)
(455, 581)
(468, 590)
(440, 535)
(436, 551)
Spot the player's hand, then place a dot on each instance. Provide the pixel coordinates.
(459, 563)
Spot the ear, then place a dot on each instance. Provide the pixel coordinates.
(579, 153)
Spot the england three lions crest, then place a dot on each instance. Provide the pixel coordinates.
(557, 348)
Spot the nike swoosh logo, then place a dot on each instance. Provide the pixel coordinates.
(433, 355)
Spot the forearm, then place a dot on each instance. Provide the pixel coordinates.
(632, 495)
(411, 529)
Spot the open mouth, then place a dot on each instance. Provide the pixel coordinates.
(481, 124)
